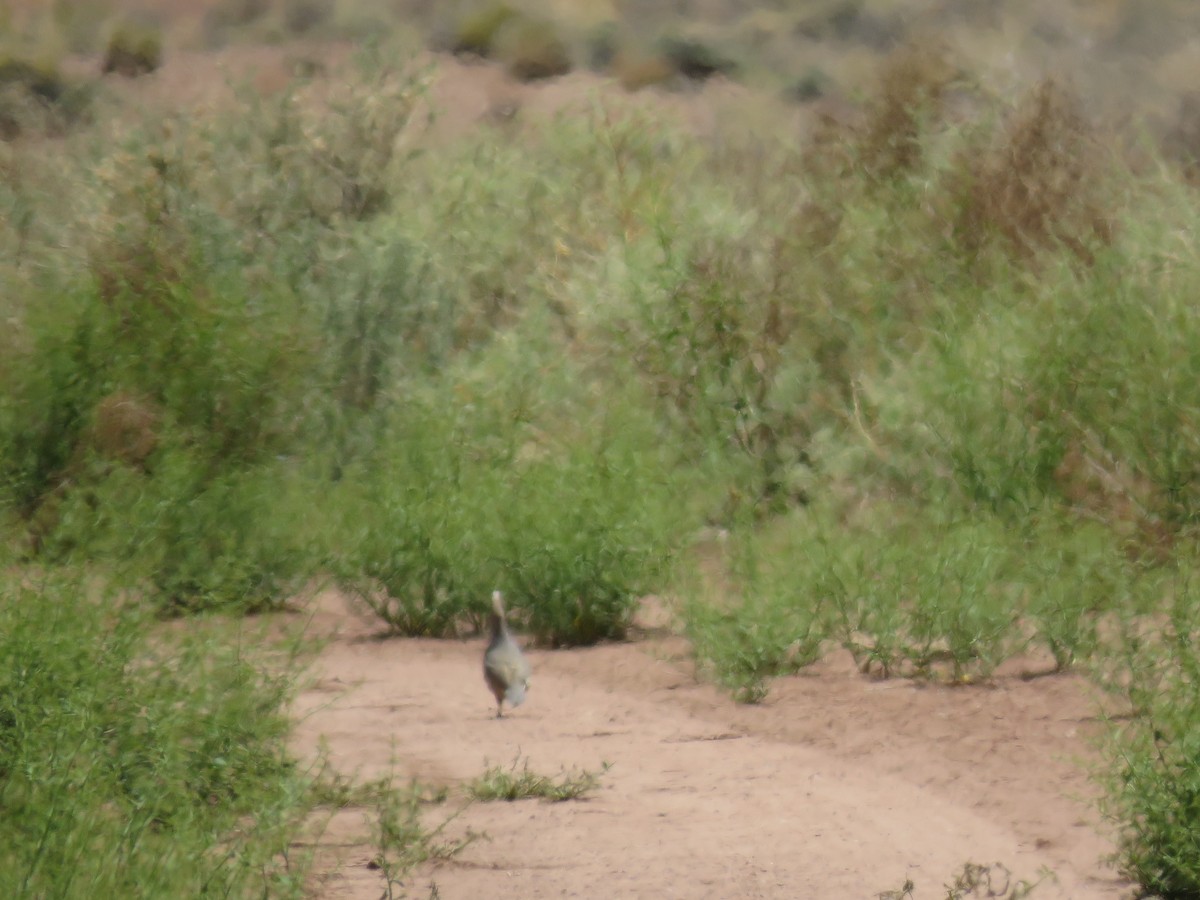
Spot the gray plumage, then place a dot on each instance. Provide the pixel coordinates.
(504, 665)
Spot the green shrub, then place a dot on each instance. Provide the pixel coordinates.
(532, 49)
(477, 31)
(137, 766)
(304, 16)
(602, 42)
(1152, 778)
(134, 48)
(454, 502)
(580, 539)
(929, 598)
(774, 622)
(414, 541)
(694, 58)
(36, 97)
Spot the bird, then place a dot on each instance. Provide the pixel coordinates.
(505, 667)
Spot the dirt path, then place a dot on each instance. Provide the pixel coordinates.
(837, 787)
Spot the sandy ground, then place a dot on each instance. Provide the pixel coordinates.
(836, 787)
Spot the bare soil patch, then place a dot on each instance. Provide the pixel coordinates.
(837, 786)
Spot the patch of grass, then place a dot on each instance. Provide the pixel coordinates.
(499, 783)
(455, 508)
(771, 622)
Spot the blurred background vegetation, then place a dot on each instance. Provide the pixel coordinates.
(894, 349)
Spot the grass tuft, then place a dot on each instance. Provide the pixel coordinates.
(498, 783)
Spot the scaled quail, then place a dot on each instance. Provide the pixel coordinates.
(504, 666)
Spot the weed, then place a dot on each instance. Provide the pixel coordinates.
(498, 783)
(403, 841)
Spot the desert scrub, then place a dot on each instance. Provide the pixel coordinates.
(583, 538)
(463, 494)
(138, 764)
(532, 49)
(36, 98)
(478, 29)
(761, 612)
(1150, 777)
(134, 48)
(415, 526)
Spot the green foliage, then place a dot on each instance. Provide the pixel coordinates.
(1151, 782)
(403, 840)
(134, 48)
(777, 624)
(695, 58)
(532, 49)
(477, 31)
(37, 98)
(455, 502)
(498, 783)
(133, 766)
(580, 540)
(416, 536)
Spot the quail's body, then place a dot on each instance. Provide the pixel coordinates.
(504, 665)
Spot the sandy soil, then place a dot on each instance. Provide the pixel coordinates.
(837, 786)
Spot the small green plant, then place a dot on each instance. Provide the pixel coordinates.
(499, 783)
(403, 841)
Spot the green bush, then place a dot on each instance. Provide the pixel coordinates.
(581, 540)
(414, 542)
(773, 621)
(477, 31)
(458, 501)
(532, 49)
(1152, 778)
(134, 48)
(137, 766)
(36, 98)
(694, 58)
